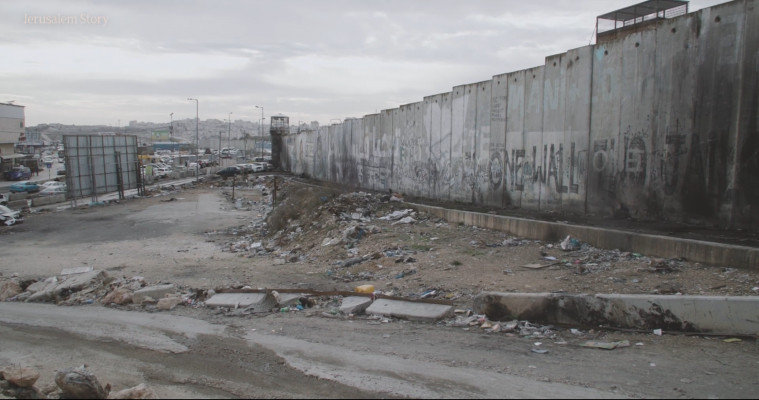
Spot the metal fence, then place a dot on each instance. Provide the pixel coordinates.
(101, 164)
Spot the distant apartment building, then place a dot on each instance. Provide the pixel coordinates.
(12, 123)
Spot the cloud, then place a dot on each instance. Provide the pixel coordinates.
(309, 60)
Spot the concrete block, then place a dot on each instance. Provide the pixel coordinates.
(702, 314)
(17, 196)
(156, 292)
(233, 299)
(423, 312)
(47, 200)
(15, 205)
(355, 305)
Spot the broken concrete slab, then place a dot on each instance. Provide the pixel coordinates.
(289, 299)
(59, 290)
(424, 312)
(355, 305)
(156, 292)
(77, 270)
(235, 299)
(702, 314)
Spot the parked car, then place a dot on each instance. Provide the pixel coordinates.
(53, 190)
(18, 174)
(229, 172)
(61, 160)
(269, 166)
(51, 184)
(259, 167)
(3, 200)
(61, 170)
(161, 171)
(26, 186)
(47, 160)
(9, 217)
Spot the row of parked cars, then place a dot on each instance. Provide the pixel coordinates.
(51, 188)
(245, 169)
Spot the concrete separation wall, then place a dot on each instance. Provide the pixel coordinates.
(14, 205)
(652, 245)
(43, 201)
(702, 314)
(657, 124)
(18, 196)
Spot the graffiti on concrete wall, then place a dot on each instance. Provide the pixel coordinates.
(492, 147)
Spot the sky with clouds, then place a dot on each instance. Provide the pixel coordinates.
(308, 59)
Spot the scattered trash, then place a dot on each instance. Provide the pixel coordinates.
(732, 340)
(576, 332)
(550, 258)
(657, 332)
(686, 381)
(570, 244)
(605, 346)
(539, 351)
(639, 344)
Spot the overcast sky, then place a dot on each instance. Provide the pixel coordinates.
(310, 60)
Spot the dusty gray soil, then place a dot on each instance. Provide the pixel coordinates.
(186, 243)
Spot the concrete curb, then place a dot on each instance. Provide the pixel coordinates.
(650, 245)
(702, 314)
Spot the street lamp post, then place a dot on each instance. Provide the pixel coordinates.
(229, 132)
(197, 140)
(261, 137)
(171, 131)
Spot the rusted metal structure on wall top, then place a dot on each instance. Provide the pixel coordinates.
(637, 17)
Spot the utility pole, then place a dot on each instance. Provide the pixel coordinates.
(245, 144)
(220, 162)
(197, 140)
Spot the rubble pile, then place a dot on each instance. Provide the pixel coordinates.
(98, 287)
(72, 383)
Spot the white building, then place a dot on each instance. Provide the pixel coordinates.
(12, 123)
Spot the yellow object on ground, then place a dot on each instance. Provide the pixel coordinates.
(365, 289)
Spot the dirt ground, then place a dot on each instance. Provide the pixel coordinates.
(201, 241)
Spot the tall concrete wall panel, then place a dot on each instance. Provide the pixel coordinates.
(747, 195)
(469, 141)
(458, 148)
(497, 146)
(659, 123)
(578, 66)
(440, 146)
(534, 165)
(482, 187)
(554, 92)
(515, 154)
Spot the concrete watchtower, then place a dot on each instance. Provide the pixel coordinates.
(280, 126)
